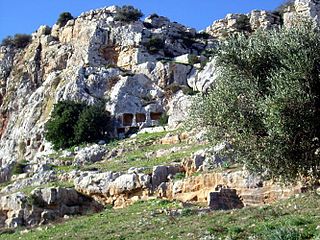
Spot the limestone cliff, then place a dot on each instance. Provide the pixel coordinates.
(138, 68)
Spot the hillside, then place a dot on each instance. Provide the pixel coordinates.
(150, 175)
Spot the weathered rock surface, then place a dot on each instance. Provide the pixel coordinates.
(40, 178)
(178, 110)
(113, 188)
(205, 160)
(250, 188)
(92, 57)
(91, 154)
(43, 205)
(202, 80)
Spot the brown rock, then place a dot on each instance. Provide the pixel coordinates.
(225, 199)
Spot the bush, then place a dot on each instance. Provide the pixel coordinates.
(163, 119)
(64, 18)
(154, 45)
(128, 14)
(73, 123)
(266, 101)
(243, 23)
(19, 167)
(18, 41)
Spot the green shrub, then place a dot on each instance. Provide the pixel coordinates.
(172, 88)
(266, 101)
(243, 23)
(179, 176)
(128, 14)
(154, 45)
(64, 18)
(19, 167)
(18, 41)
(193, 59)
(188, 91)
(163, 119)
(73, 123)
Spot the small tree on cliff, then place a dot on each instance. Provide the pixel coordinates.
(18, 40)
(73, 123)
(128, 13)
(64, 18)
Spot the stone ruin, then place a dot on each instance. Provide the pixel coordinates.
(127, 123)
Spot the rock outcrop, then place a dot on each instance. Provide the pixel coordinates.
(92, 57)
(43, 205)
(135, 67)
(143, 71)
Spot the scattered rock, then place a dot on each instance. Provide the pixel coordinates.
(89, 154)
(37, 179)
(43, 205)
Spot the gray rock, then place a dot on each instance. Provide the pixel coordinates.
(39, 178)
(102, 142)
(89, 154)
(43, 205)
(204, 79)
(178, 109)
(160, 174)
(107, 187)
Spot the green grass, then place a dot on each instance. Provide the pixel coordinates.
(137, 158)
(296, 218)
(134, 156)
(137, 150)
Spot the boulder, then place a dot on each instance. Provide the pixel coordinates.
(113, 188)
(208, 159)
(43, 205)
(39, 178)
(224, 199)
(160, 174)
(179, 107)
(89, 155)
(204, 79)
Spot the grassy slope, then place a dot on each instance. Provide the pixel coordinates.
(296, 218)
(136, 154)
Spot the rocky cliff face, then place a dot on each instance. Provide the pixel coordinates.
(91, 58)
(138, 68)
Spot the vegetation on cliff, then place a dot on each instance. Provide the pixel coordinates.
(17, 41)
(128, 13)
(64, 18)
(73, 123)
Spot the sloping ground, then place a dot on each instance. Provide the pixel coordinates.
(165, 165)
(295, 218)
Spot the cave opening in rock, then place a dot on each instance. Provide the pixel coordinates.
(140, 117)
(127, 119)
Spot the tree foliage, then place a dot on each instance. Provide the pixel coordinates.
(18, 40)
(266, 101)
(128, 13)
(64, 18)
(73, 123)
